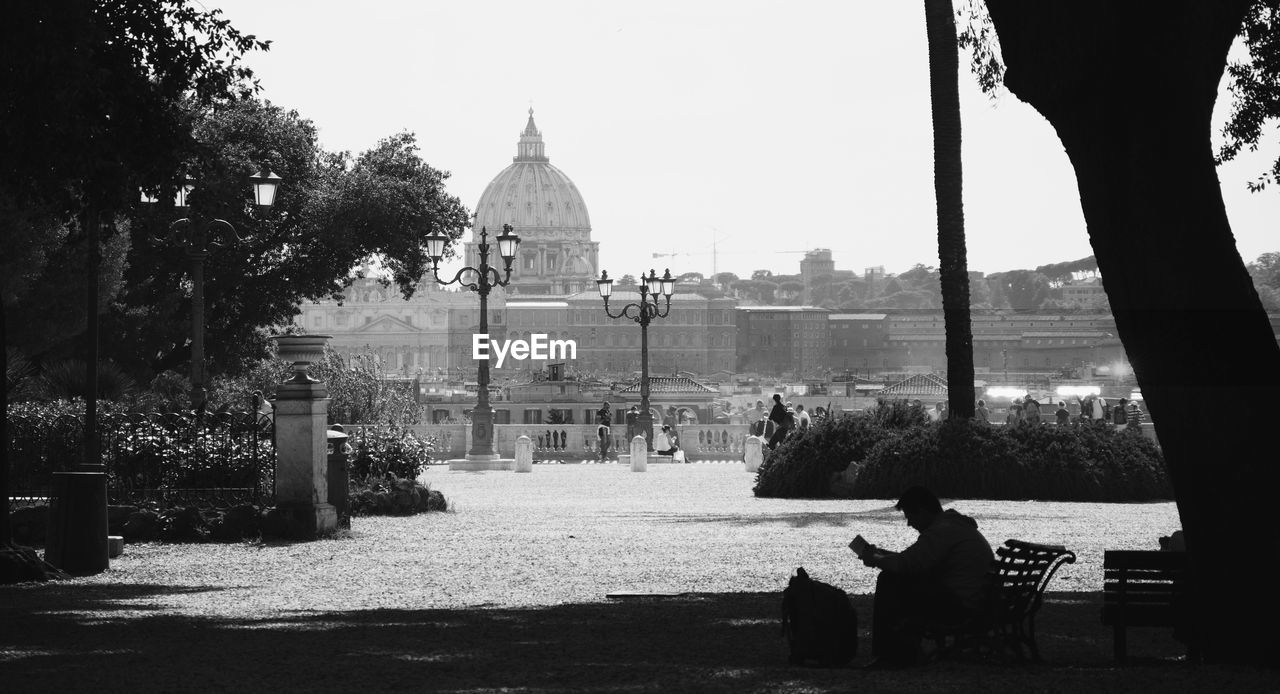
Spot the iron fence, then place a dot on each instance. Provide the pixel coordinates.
(208, 459)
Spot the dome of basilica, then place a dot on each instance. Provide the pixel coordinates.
(532, 195)
(544, 208)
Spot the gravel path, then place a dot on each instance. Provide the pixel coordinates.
(507, 592)
(573, 533)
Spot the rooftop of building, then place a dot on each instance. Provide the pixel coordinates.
(671, 384)
(917, 385)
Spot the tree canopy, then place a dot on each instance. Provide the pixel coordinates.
(332, 212)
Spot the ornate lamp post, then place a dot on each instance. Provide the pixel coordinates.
(197, 236)
(643, 313)
(481, 280)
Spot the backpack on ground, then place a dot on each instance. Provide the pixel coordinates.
(819, 622)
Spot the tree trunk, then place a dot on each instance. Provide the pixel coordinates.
(1130, 89)
(953, 270)
(6, 532)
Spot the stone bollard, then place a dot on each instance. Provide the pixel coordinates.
(753, 453)
(524, 454)
(639, 454)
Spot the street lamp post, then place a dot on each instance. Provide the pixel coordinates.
(643, 313)
(197, 236)
(483, 279)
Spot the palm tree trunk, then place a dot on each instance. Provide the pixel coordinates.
(953, 271)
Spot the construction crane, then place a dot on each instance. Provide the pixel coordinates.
(714, 255)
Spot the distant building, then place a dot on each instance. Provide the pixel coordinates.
(782, 339)
(856, 340)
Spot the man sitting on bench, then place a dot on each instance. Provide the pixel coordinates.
(942, 577)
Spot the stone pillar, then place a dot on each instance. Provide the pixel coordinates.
(524, 454)
(302, 468)
(639, 454)
(753, 453)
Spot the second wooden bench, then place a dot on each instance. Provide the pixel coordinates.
(1145, 588)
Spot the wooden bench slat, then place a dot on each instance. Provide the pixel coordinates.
(1144, 560)
(1144, 588)
(1138, 588)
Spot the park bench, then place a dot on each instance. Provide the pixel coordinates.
(1018, 577)
(1143, 588)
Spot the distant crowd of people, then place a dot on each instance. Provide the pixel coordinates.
(784, 418)
(781, 420)
(1029, 411)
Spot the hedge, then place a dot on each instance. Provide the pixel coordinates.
(963, 459)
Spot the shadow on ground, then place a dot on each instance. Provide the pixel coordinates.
(67, 637)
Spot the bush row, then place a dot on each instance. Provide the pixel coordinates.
(181, 523)
(960, 459)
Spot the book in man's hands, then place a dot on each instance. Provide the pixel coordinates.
(858, 545)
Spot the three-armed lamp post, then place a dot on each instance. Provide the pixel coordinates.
(197, 236)
(643, 313)
(481, 280)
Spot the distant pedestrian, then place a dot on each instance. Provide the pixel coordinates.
(631, 419)
(1099, 412)
(1119, 417)
(780, 419)
(1031, 410)
(605, 436)
(1063, 414)
(1014, 416)
(980, 412)
(1133, 415)
(803, 420)
(664, 442)
(937, 414)
(757, 418)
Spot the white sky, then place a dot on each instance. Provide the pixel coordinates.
(769, 127)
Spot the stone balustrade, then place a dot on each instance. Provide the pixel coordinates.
(576, 441)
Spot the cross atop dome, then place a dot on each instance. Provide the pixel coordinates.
(530, 147)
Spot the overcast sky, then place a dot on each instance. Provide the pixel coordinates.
(762, 129)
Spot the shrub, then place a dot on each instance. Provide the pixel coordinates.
(804, 464)
(140, 451)
(962, 459)
(69, 378)
(359, 393)
(388, 452)
(394, 497)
